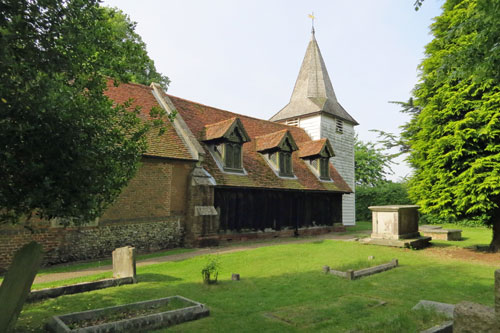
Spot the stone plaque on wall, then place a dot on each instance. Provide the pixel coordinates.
(204, 211)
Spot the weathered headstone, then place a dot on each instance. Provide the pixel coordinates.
(17, 284)
(326, 269)
(124, 262)
(235, 277)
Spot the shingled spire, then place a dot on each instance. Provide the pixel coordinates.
(313, 91)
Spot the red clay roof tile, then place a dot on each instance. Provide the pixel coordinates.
(169, 144)
(259, 174)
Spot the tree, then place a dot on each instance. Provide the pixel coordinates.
(66, 151)
(139, 66)
(454, 141)
(371, 164)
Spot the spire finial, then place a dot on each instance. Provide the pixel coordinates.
(311, 16)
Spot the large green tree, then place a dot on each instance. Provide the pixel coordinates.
(370, 163)
(65, 150)
(455, 136)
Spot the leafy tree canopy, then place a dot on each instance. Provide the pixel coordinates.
(371, 164)
(65, 150)
(454, 139)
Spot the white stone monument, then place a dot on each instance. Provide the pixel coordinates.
(396, 225)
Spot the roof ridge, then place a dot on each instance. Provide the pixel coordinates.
(237, 115)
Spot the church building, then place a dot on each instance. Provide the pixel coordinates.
(215, 176)
(315, 108)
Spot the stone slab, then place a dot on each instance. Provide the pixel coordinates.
(414, 243)
(77, 288)
(17, 284)
(473, 318)
(446, 327)
(444, 308)
(442, 234)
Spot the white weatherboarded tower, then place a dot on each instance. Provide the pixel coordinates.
(314, 107)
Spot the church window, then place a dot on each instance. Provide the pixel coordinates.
(285, 164)
(232, 156)
(339, 128)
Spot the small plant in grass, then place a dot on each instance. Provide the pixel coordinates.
(210, 271)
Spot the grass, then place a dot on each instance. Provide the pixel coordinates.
(283, 289)
(93, 264)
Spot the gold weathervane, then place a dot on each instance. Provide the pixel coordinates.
(311, 16)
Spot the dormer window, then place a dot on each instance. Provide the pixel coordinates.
(225, 140)
(277, 149)
(317, 154)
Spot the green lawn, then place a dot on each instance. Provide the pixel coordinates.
(283, 289)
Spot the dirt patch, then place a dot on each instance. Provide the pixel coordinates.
(471, 255)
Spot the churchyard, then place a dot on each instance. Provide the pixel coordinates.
(284, 289)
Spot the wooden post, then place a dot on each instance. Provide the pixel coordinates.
(350, 274)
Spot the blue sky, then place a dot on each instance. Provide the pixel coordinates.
(244, 56)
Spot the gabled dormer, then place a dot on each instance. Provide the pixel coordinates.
(225, 141)
(317, 156)
(277, 149)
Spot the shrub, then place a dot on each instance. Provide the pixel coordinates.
(469, 221)
(386, 193)
(210, 271)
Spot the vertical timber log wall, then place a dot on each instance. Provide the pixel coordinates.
(258, 209)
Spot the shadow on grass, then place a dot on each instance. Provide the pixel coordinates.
(155, 277)
(320, 301)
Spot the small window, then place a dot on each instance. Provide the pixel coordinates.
(324, 168)
(232, 156)
(293, 122)
(285, 164)
(339, 128)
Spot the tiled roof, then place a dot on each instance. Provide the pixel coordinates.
(311, 148)
(169, 144)
(258, 172)
(218, 130)
(270, 141)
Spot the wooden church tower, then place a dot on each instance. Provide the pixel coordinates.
(315, 108)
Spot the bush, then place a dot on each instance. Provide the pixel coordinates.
(470, 221)
(210, 271)
(386, 193)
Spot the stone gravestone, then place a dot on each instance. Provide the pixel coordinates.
(124, 262)
(396, 225)
(17, 284)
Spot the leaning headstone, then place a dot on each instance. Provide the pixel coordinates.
(497, 292)
(124, 262)
(17, 284)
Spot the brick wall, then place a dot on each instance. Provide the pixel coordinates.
(148, 214)
(72, 244)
